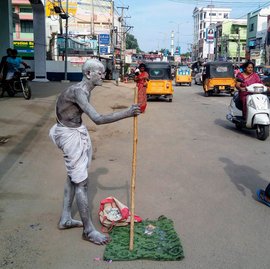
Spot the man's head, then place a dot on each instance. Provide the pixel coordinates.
(93, 70)
(9, 51)
(14, 53)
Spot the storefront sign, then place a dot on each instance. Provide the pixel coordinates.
(24, 48)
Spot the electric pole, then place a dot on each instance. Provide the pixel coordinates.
(238, 46)
(123, 41)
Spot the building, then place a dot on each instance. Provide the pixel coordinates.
(205, 19)
(23, 34)
(256, 35)
(230, 42)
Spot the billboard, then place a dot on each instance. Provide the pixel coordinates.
(210, 35)
(24, 48)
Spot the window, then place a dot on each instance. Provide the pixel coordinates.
(204, 15)
(251, 27)
(26, 26)
(25, 10)
(212, 14)
(226, 16)
(244, 46)
(200, 16)
(14, 27)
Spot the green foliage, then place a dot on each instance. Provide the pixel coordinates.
(132, 43)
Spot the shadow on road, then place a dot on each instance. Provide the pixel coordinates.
(94, 186)
(244, 177)
(230, 126)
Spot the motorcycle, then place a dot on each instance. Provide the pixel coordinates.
(258, 111)
(19, 83)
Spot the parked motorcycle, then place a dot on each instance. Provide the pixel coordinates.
(258, 111)
(19, 83)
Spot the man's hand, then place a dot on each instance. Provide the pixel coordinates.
(134, 110)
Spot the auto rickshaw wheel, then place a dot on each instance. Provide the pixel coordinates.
(189, 84)
(208, 93)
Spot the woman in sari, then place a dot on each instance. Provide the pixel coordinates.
(141, 80)
(245, 79)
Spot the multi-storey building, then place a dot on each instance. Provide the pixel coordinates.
(23, 28)
(256, 33)
(205, 19)
(231, 40)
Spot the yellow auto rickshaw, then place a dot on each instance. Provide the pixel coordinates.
(218, 77)
(183, 75)
(160, 80)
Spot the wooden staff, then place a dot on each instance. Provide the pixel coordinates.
(133, 176)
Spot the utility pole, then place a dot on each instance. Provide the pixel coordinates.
(123, 41)
(66, 40)
(92, 19)
(238, 46)
(210, 27)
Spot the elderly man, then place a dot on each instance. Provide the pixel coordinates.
(72, 137)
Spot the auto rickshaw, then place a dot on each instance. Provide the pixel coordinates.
(218, 77)
(183, 75)
(160, 80)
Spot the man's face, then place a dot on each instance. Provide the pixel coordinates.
(96, 76)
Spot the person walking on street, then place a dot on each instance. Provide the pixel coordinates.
(141, 78)
(71, 136)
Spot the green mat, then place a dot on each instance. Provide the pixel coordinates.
(153, 240)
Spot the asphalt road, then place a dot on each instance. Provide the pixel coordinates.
(193, 166)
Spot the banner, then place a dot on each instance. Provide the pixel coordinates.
(210, 34)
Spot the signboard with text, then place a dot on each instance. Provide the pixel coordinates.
(103, 49)
(24, 48)
(104, 39)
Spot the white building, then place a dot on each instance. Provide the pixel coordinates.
(205, 19)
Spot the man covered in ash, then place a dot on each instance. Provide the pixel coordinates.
(72, 137)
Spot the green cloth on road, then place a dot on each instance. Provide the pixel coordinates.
(162, 244)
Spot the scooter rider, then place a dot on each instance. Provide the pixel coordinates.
(244, 79)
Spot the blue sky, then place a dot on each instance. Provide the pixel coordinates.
(153, 20)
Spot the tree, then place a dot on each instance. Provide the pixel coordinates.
(132, 43)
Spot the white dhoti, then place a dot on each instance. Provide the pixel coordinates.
(77, 149)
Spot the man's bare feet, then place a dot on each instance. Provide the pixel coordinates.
(70, 223)
(96, 237)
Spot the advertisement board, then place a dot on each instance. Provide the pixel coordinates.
(210, 34)
(24, 48)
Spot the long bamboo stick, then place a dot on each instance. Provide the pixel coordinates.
(133, 176)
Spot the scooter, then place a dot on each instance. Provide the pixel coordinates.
(19, 84)
(258, 111)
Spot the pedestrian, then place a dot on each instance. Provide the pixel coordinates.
(264, 195)
(142, 79)
(3, 69)
(71, 136)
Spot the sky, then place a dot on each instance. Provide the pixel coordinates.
(153, 20)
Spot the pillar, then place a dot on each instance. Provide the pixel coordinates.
(39, 40)
(6, 29)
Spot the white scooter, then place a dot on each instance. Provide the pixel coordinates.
(258, 111)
